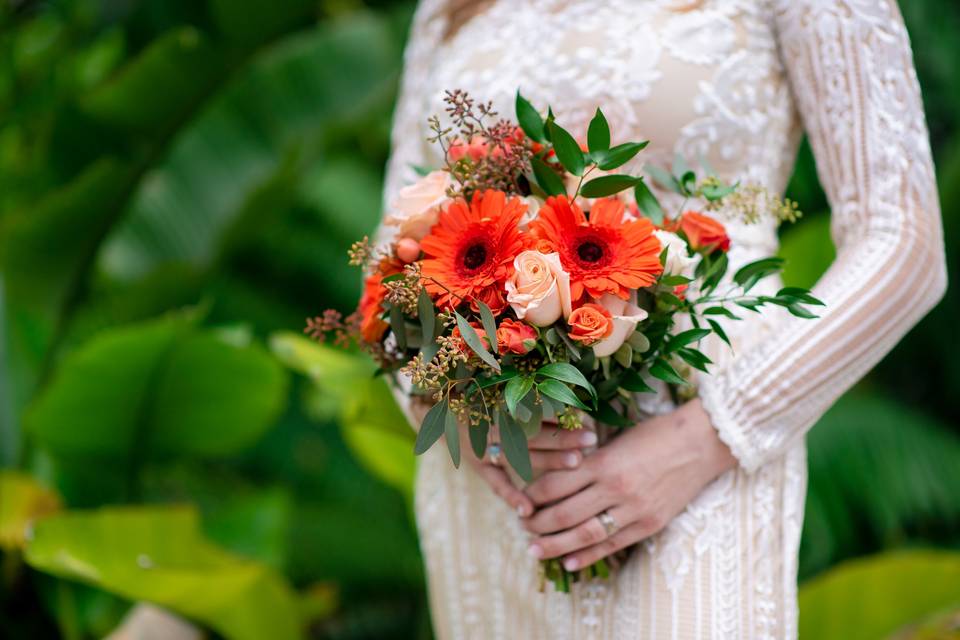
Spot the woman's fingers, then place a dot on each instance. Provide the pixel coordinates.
(619, 540)
(556, 485)
(550, 460)
(586, 535)
(552, 437)
(568, 513)
(500, 482)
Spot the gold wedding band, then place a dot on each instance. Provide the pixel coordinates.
(608, 523)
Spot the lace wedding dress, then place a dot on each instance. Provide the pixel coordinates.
(731, 81)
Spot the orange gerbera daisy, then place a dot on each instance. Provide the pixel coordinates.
(470, 251)
(372, 325)
(604, 254)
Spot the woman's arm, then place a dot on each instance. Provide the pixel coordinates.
(852, 74)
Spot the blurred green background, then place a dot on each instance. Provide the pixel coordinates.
(179, 182)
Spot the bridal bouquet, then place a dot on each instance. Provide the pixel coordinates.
(529, 279)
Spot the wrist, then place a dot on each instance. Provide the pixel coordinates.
(714, 455)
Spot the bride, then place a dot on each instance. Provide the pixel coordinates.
(710, 495)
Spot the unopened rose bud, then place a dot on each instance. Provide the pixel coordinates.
(408, 250)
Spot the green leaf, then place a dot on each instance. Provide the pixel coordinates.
(529, 119)
(661, 369)
(717, 192)
(508, 373)
(473, 341)
(547, 178)
(748, 275)
(877, 596)
(515, 391)
(607, 185)
(717, 329)
(451, 431)
(157, 554)
(478, 438)
(566, 372)
(800, 312)
(155, 389)
(598, 133)
(23, 500)
(695, 359)
(624, 355)
(398, 326)
(663, 178)
(489, 324)
(648, 203)
(606, 414)
(568, 150)
(427, 317)
(618, 155)
(715, 272)
(720, 311)
(432, 428)
(686, 337)
(633, 381)
(673, 280)
(800, 295)
(559, 391)
(514, 443)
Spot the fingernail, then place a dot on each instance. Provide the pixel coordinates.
(570, 564)
(535, 551)
(522, 510)
(571, 460)
(588, 438)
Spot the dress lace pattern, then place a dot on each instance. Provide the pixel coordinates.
(732, 82)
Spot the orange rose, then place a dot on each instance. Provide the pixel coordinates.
(590, 323)
(515, 337)
(704, 233)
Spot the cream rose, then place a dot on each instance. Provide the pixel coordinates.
(626, 314)
(417, 206)
(533, 210)
(539, 290)
(679, 262)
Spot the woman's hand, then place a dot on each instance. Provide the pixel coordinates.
(551, 449)
(641, 480)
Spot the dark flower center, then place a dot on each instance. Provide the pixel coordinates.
(475, 256)
(590, 251)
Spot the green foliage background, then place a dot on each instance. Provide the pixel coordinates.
(179, 182)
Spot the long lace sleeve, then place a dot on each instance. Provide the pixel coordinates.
(852, 74)
(407, 146)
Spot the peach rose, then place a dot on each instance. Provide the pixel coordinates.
(475, 149)
(515, 337)
(624, 316)
(679, 262)
(590, 323)
(703, 232)
(539, 289)
(417, 206)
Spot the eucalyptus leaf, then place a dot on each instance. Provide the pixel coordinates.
(451, 431)
(489, 324)
(432, 428)
(514, 443)
(473, 341)
(398, 326)
(478, 438)
(427, 317)
(663, 178)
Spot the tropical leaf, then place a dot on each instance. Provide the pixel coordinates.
(875, 596)
(157, 554)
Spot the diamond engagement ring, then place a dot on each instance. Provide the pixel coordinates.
(609, 524)
(493, 452)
